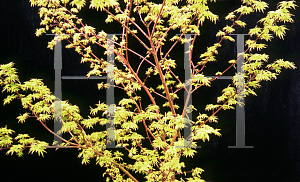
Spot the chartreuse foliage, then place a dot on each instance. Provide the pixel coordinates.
(161, 162)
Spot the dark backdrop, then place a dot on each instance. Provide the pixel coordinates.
(272, 118)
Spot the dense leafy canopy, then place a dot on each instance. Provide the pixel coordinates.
(162, 161)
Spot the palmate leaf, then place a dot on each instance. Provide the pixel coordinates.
(89, 123)
(259, 6)
(244, 10)
(5, 140)
(78, 3)
(188, 152)
(230, 16)
(16, 149)
(20, 136)
(39, 148)
(44, 117)
(211, 107)
(287, 4)
(279, 30)
(22, 118)
(9, 98)
(5, 131)
(240, 23)
(103, 4)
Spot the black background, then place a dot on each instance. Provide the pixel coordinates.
(272, 118)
